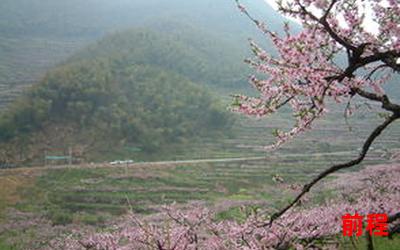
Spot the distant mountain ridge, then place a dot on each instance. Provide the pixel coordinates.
(96, 17)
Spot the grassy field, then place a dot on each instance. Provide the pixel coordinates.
(10, 185)
(67, 195)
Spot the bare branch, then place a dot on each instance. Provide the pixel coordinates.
(346, 113)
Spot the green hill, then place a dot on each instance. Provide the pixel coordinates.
(123, 92)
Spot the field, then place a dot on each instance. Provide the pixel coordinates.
(97, 194)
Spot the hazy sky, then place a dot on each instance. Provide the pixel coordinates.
(369, 25)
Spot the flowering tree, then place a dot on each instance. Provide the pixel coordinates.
(306, 76)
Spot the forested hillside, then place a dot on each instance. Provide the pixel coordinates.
(133, 88)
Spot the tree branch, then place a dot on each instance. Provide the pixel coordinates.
(327, 27)
(370, 242)
(333, 2)
(368, 77)
(394, 217)
(394, 230)
(384, 99)
(378, 130)
(285, 102)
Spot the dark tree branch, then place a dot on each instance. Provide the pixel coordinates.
(384, 99)
(394, 230)
(380, 56)
(333, 2)
(368, 77)
(370, 242)
(285, 102)
(335, 36)
(327, 27)
(378, 130)
(394, 217)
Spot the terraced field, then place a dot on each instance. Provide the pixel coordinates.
(68, 195)
(143, 187)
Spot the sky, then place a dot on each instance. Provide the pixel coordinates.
(272, 3)
(369, 24)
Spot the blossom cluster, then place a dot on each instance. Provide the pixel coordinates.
(308, 70)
